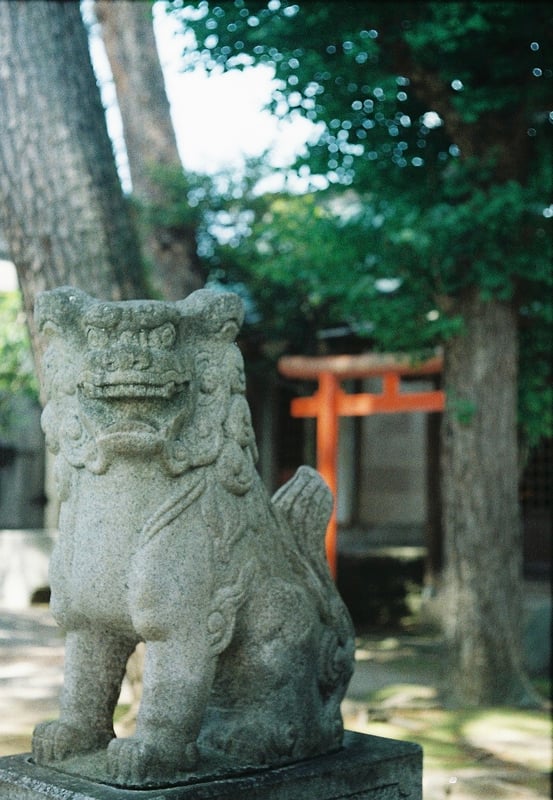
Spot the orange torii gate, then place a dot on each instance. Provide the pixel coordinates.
(330, 402)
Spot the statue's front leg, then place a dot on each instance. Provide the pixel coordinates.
(94, 669)
(178, 676)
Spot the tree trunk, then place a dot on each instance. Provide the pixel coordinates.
(128, 35)
(62, 209)
(483, 552)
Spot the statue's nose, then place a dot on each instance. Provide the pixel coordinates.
(128, 357)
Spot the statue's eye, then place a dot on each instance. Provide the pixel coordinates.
(97, 337)
(163, 336)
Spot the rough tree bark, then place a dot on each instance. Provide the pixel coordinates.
(482, 532)
(128, 35)
(62, 210)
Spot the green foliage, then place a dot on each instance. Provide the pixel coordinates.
(435, 118)
(17, 375)
(370, 71)
(181, 197)
(318, 260)
(463, 409)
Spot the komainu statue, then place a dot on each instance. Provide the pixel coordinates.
(168, 537)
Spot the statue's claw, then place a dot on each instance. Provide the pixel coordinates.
(54, 741)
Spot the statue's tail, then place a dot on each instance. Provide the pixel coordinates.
(306, 502)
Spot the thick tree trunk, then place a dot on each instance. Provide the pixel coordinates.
(483, 551)
(62, 210)
(128, 34)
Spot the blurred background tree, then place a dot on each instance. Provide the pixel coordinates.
(62, 209)
(168, 240)
(435, 132)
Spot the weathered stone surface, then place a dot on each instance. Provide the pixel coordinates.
(168, 537)
(366, 768)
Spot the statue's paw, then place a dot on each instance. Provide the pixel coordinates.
(134, 762)
(54, 741)
(130, 761)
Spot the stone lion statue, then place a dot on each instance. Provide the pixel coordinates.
(168, 537)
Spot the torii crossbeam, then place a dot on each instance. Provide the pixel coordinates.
(330, 402)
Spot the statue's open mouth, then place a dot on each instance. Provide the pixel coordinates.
(129, 386)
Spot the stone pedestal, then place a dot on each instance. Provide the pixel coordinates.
(366, 768)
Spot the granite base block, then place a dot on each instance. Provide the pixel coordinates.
(366, 768)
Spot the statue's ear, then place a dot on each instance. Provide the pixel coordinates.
(59, 309)
(218, 314)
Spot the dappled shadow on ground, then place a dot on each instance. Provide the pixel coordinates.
(31, 664)
(28, 628)
(397, 691)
